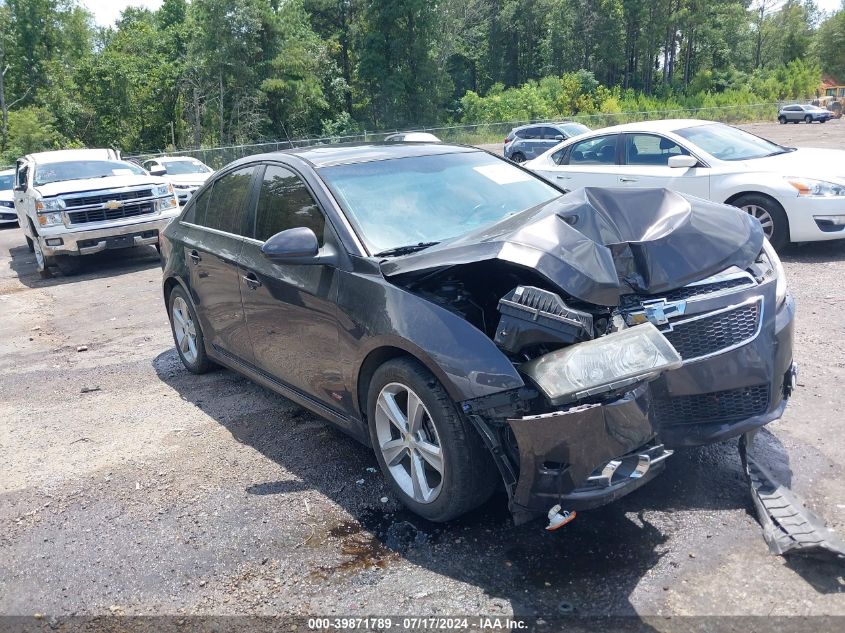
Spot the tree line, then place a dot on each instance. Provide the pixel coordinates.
(218, 72)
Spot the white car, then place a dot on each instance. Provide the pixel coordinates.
(798, 195)
(185, 173)
(8, 215)
(412, 137)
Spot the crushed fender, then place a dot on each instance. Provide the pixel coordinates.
(789, 527)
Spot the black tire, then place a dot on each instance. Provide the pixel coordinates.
(782, 119)
(808, 119)
(469, 475)
(29, 244)
(518, 157)
(203, 363)
(68, 265)
(780, 230)
(822, 120)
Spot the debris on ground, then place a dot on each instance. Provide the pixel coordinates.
(90, 389)
(82, 348)
(789, 526)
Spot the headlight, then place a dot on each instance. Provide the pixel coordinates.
(816, 188)
(776, 270)
(604, 364)
(168, 203)
(163, 190)
(50, 218)
(7, 203)
(53, 204)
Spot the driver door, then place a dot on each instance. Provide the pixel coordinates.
(646, 165)
(291, 309)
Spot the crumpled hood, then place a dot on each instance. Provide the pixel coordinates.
(596, 244)
(97, 184)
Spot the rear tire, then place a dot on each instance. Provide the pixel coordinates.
(518, 157)
(771, 215)
(466, 476)
(187, 333)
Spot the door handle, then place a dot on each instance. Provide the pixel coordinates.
(627, 180)
(195, 257)
(252, 281)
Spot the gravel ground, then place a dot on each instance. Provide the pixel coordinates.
(161, 492)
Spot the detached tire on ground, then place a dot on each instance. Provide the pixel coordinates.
(187, 333)
(771, 215)
(430, 454)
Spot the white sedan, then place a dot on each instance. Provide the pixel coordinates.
(798, 195)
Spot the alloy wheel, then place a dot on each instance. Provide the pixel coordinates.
(409, 443)
(185, 330)
(765, 218)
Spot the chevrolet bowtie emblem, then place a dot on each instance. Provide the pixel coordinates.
(660, 311)
(113, 205)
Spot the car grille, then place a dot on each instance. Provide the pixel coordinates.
(120, 196)
(102, 215)
(716, 332)
(8, 216)
(695, 291)
(718, 406)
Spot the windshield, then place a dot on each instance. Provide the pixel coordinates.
(729, 143)
(181, 167)
(424, 199)
(7, 183)
(82, 169)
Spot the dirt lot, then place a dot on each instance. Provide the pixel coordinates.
(160, 492)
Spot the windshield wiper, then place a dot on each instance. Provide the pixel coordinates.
(405, 250)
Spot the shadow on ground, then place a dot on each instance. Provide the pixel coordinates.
(97, 266)
(589, 568)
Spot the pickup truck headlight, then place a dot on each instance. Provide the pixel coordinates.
(52, 204)
(808, 187)
(604, 364)
(776, 270)
(163, 190)
(168, 203)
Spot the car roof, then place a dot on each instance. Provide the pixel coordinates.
(63, 155)
(663, 125)
(344, 154)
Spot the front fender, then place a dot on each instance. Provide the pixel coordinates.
(376, 314)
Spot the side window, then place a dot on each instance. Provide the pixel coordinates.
(285, 203)
(550, 133)
(561, 157)
(594, 151)
(229, 196)
(649, 149)
(196, 211)
(529, 133)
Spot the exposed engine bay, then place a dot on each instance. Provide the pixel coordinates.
(592, 298)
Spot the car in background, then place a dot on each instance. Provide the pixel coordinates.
(78, 202)
(8, 215)
(796, 113)
(477, 327)
(411, 137)
(798, 195)
(185, 173)
(529, 141)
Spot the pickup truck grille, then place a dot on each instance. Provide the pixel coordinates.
(101, 215)
(120, 196)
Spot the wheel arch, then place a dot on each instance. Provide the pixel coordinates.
(736, 196)
(169, 284)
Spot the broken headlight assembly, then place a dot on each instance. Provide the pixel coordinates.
(769, 257)
(605, 364)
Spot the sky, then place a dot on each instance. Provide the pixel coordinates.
(107, 11)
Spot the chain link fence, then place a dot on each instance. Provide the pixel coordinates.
(478, 134)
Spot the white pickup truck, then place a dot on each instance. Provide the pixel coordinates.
(78, 202)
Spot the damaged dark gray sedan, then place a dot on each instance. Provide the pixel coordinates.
(476, 326)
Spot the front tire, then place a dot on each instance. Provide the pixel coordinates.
(432, 458)
(770, 214)
(187, 333)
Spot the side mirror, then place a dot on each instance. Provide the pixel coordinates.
(293, 246)
(559, 137)
(158, 170)
(683, 161)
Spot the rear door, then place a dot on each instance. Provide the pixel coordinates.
(592, 162)
(291, 309)
(646, 164)
(212, 244)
